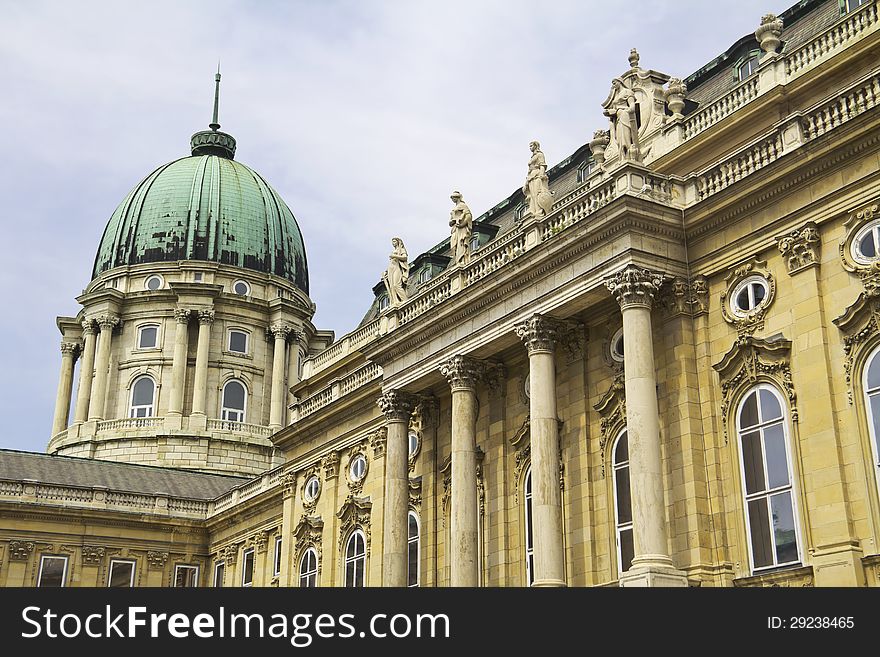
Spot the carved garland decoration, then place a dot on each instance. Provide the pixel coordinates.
(308, 533)
(750, 361)
(860, 324)
(612, 409)
(747, 323)
(354, 514)
(800, 247)
(868, 272)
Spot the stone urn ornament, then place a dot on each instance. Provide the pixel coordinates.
(598, 144)
(675, 97)
(768, 33)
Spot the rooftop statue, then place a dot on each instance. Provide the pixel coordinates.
(395, 277)
(462, 222)
(537, 187)
(621, 109)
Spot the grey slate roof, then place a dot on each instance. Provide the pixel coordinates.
(128, 477)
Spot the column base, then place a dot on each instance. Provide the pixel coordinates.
(548, 583)
(653, 570)
(173, 422)
(838, 565)
(198, 422)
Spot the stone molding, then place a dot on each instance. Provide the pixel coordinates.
(860, 325)
(800, 247)
(634, 286)
(685, 297)
(93, 555)
(612, 410)
(397, 405)
(156, 560)
(20, 550)
(354, 514)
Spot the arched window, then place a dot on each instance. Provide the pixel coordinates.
(143, 394)
(412, 549)
(308, 569)
(529, 533)
(872, 402)
(767, 479)
(622, 503)
(748, 68)
(234, 401)
(148, 336)
(355, 559)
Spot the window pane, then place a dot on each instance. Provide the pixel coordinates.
(759, 526)
(233, 395)
(143, 392)
(753, 463)
(770, 408)
(350, 552)
(627, 551)
(866, 246)
(777, 463)
(184, 576)
(783, 528)
(742, 299)
(52, 572)
(621, 451)
(359, 572)
(624, 505)
(748, 416)
(249, 568)
(531, 569)
(413, 563)
(238, 342)
(875, 417)
(148, 337)
(219, 573)
(121, 574)
(413, 526)
(874, 372)
(759, 293)
(349, 574)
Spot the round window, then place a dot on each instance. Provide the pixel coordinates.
(414, 442)
(241, 288)
(866, 243)
(313, 487)
(617, 345)
(153, 282)
(749, 295)
(358, 467)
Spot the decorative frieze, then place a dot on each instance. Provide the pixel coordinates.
(635, 286)
(20, 550)
(397, 405)
(156, 559)
(93, 555)
(750, 361)
(800, 247)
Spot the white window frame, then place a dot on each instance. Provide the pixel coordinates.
(304, 575)
(852, 6)
(475, 242)
(529, 526)
(226, 413)
(747, 63)
(424, 274)
(308, 496)
(620, 527)
(151, 277)
(872, 227)
(584, 170)
(43, 559)
(130, 562)
(245, 283)
(140, 330)
(361, 557)
(867, 394)
(417, 539)
(358, 458)
(617, 356)
(412, 450)
(150, 408)
(748, 283)
(218, 566)
(250, 552)
(247, 341)
(276, 557)
(185, 566)
(384, 302)
(768, 493)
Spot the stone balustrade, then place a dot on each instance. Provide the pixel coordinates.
(335, 389)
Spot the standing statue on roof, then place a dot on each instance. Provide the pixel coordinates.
(537, 187)
(621, 109)
(462, 222)
(397, 274)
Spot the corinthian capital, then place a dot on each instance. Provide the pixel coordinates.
(539, 333)
(89, 327)
(462, 372)
(206, 316)
(397, 405)
(181, 315)
(634, 286)
(279, 330)
(71, 348)
(107, 322)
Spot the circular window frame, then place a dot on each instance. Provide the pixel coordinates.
(247, 286)
(311, 499)
(617, 337)
(154, 277)
(355, 458)
(740, 286)
(857, 237)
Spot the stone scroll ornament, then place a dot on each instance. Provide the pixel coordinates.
(537, 186)
(461, 222)
(396, 276)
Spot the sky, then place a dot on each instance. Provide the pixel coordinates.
(364, 115)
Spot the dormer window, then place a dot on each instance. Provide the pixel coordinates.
(425, 275)
(475, 242)
(519, 212)
(852, 5)
(584, 170)
(748, 67)
(383, 302)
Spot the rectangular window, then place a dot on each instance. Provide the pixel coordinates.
(197, 277)
(247, 568)
(148, 337)
(53, 572)
(238, 342)
(277, 569)
(219, 574)
(186, 576)
(121, 574)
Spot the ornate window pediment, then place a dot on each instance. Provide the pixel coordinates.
(750, 361)
(860, 324)
(750, 292)
(354, 514)
(446, 473)
(308, 534)
(612, 409)
(415, 493)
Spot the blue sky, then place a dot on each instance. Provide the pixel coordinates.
(363, 115)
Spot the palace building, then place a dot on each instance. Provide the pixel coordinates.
(656, 363)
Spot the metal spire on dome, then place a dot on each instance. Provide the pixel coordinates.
(214, 142)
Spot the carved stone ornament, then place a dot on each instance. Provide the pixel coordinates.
(396, 276)
(93, 555)
(108, 322)
(356, 486)
(156, 559)
(288, 483)
(634, 286)
(540, 333)
(425, 414)
(89, 327)
(70, 348)
(330, 463)
(415, 493)
(279, 331)
(354, 514)
(598, 144)
(768, 33)
(20, 550)
(206, 317)
(446, 473)
(308, 533)
(800, 247)
(866, 269)
(230, 554)
(750, 361)
(310, 504)
(612, 409)
(675, 94)
(537, 186)
(746, 323)
(683, 297)
(397, 405)
(463, 372)
(521, 443)
(860, 325)
(181, 315)
(377, 442)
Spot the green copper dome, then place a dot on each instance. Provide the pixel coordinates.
(206, 207)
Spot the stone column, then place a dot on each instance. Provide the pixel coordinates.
(178, 366)
(200, 383)
(69, 351)
(634, 289)
(539, 334)
(102, 366)
(296, 338)
(86, 370)
(280, 332)
(463, 374)
(397, 406)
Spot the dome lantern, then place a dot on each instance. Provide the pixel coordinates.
(214, 142)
